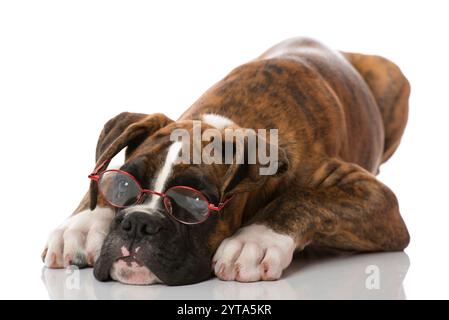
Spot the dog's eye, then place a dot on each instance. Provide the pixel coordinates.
(122, 185)
(119, 188)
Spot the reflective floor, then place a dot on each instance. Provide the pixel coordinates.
(311, 276)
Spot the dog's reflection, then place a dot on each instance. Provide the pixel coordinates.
(312, 275)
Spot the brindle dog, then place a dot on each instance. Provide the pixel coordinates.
(339, 115)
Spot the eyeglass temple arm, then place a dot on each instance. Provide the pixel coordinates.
(94, 175)
(221, 205)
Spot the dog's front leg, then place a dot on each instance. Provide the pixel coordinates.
(254, 253)
(345, 207)
(78, 240)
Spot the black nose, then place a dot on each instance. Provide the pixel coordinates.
(141, 224)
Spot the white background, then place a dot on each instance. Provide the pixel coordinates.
(67, 67)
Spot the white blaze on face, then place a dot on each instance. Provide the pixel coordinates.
(160, 181)
(164, 173)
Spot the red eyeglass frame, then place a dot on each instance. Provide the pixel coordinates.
(96, 176)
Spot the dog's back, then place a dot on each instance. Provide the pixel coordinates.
(323, 103)
(385, 80)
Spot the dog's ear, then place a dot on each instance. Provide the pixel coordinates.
(247, 170)
(126, 130)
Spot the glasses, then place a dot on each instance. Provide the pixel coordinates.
(184, 204)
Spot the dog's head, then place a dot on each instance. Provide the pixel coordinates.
(145, 244)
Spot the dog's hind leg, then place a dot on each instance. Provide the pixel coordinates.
(391, 91)
(344, 207)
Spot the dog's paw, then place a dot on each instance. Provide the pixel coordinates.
(78, 240)
(254, 253)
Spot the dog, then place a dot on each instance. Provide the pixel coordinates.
(339, 116)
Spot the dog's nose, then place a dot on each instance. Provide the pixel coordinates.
(140, 224)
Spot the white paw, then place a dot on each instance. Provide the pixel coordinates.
(254, 253)
(78, 240)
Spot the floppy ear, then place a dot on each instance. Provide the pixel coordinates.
(246, 172)
(124, 130)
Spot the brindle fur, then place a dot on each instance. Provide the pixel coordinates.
(339, 115)
(337, 123)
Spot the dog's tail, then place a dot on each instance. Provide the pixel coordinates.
(391, 90)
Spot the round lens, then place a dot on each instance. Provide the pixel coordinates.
(119, 189)
(186, 205)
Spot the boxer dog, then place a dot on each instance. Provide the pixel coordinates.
(339, 116)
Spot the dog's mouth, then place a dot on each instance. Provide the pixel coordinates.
(169, 261)
(128, 269)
